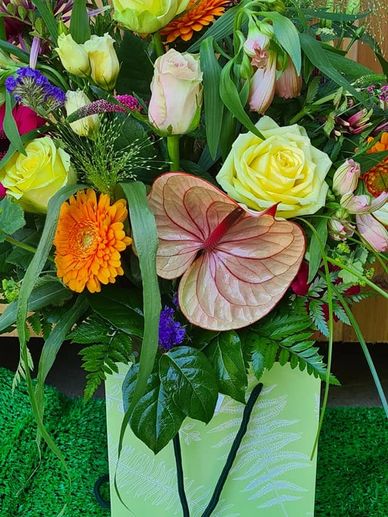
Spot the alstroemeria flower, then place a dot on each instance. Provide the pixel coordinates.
(236, 264)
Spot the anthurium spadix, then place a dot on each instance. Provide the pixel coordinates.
(236, 264)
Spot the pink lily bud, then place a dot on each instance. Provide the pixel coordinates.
(373, 232)
(3, 191)
(259, 37)
(289, 84)
(340, 230)
(363, 204)
(346, 177)
(263, 85)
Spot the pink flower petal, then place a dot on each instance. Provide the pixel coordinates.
(236, 266)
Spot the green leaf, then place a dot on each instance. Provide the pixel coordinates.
(50, 292)
(100, 360)
(315, 257)
(53, 343)
(222, 28)
(79, 22)
(114, 305)
(48, 17)
(188, 377)
(318, 57)
(226, 355)
(155, 418)
(15, 51)
(9, 125)
(92, 330)
(232, 101)
(286, 336)
(146, 241)
(133, 57)
(213, 105)
(11, 217)
(350, 68)
(287, 37)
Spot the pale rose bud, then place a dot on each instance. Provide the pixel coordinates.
(373, 232)
(75, 101)
(176, 93)
(263, 86)
(103, 60)
(289, 84)
(340, 230)
(73, 56)
(346, 177)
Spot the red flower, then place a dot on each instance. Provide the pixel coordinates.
(26, 120)
(300, 286)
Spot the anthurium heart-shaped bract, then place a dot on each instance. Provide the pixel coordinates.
(236, 264)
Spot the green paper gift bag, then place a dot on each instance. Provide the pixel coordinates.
(272, 475)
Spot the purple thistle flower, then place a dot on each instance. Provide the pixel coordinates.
(171, 332)
(33, 89)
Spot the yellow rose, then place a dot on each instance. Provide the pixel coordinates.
(35, 177)
(284, 168)
(73, 56)
(103, 60)
(149, 15)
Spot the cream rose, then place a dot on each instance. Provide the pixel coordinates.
(176, 93)
(35, 177)
(284, 168)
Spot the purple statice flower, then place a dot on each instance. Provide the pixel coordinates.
(171, 332)
(31, 88)
(383, 97)
(127, 103)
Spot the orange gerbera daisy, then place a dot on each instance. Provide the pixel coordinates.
(198, 14)
(376, 179)
(89, 238)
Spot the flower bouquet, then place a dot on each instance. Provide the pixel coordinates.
(192, 188)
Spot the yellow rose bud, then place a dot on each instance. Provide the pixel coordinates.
(75, 101)
(103, 60)
(149, 16)
(35, 177)
(285, 168)
(73, 56)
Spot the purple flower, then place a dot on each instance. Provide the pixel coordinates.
(127, 102)
(33, 89)
(171, 332)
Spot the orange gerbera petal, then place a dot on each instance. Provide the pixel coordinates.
(376, 179)
(198, 14)
(89, 238)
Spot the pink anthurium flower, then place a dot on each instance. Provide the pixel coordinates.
(236, 264)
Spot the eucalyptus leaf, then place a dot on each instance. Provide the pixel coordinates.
(188, 377)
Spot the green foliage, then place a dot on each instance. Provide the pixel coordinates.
(287, 36)
(9, 125)
(136, 67)
(10, 289)
(155, 418)
(188, 376)
(79, 22)
(107, 347)
(285, 336)
(11, 217)
(226, 355)
(213, 105)
(315, 256)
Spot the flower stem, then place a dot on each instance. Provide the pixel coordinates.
(173, 152)
(22, 245)
(158, 45)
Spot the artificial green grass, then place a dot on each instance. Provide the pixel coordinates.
(352, 462)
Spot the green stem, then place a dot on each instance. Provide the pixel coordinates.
(19, 244)
(173, 152)
(362, 278)
(158, 45)
(364, 347)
